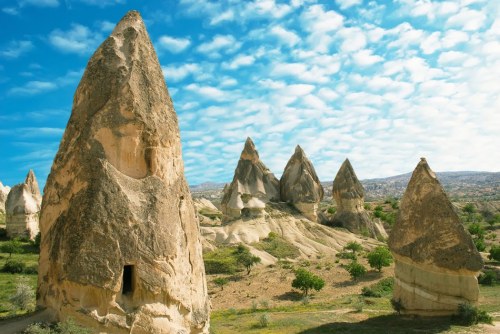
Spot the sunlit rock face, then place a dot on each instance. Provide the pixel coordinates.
(22, 208)
(300, 185)
(436, 262)
(121, 250)
(4, 192)
(349, 195)
(252, 187)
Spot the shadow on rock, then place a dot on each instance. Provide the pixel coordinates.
(391, 324)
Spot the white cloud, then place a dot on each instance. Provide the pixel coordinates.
(33, 88)
(344, 4)
(265, 8)
(10, 10)
(16, 49)
(39, 3)
(79, 39)
(239, 61)
(454, 37)
(316, 20)
(452, 58)
(211, 93)
(228, 15)
(219, 43)
(366, 58)
(103, 3)
(286, 36)
(467, 19)
(178, 72)
(354, 39)
(173, 44)
(106, 26)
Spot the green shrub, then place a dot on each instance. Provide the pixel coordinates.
(24, 297)
(469, 208)
(381, 288)
(355, 269)
(264, 320)
(488, 277)
(331, 210)
(38, 328)
(480, 245)
(278, 247)
(353, 246)
(494, 253)
(380, 257)
(3, 233)
(221, 281)
(368, 206)
(272, 235)
(36, 242)
(220, 266)
(346, 255)
(476, 229)
(14, 267)
(305, 281)
(31, 270)
(469, 315)
(11, 247)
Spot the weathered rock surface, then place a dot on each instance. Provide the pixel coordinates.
(436, 262)
(207, 211)
(22, 208)
(4, 192)
(121, 250)
(252, 187)
(300, 185)
(350, 198)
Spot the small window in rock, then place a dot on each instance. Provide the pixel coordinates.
(127, 279)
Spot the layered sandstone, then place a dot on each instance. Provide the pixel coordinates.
(300, 186)
(22, 208)
(252, 187)
(121, 250)
(436, 261)
(349, 195)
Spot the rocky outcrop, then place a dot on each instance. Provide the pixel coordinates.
(436, 262)
(300, 185)
(120, 249)
(4, 192)
(208, 213)
(22, 208)
(349, 195)
(252, 187)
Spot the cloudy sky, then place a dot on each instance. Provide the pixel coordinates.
(380, 82)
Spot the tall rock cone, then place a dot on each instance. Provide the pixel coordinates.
(252, 187)
(121, 248)
(436, 262)
(22, 207)
(300, 185)
(350, 198)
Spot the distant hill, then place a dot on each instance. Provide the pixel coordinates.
(458, 185)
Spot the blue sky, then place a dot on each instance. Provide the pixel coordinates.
(380, 82)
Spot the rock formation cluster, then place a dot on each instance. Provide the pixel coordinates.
(436, 261)
(300, 185)
(22, 208)
(349, 195)
(252, 187)
(120, 249)
(4, 192)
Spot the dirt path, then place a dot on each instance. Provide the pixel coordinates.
(17, 325)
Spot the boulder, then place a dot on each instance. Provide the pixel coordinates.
(120, 249)
(252, 187)
(300, 186)
(436, 261)
(349, 195)
(22, 208)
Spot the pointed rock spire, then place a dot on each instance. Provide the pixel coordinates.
(349, 195)
(252, 187)
(300, 185)
(4, 192)
(436, 260)
(120, 246)
(22, 207)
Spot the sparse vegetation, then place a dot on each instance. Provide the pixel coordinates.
(469, 315)
(277, 247)
(380, 257)
(494, 253)
(305, 281)
(245, 258)
(24, 296)
(11, 247)
(66, 327)
(14, 267)
(354, 247)
(220, 261)
(380, 289)
(488, 277)
(264, 320)
(221, 281)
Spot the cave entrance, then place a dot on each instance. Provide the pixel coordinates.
(128, 275)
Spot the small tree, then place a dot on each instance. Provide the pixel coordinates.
(355, 269)
(306, 280)
(11, 247)
(354, 247)
(469, 208)
(494, 253)
(24, 297)
(476, 229)
(380, 257)
(221, 281)
(245, 258)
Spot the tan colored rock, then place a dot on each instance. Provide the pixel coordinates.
(436, 261)
(349, 195)
(207, 211)
(252, 187)
(4, 192)
(22, 208)
(300, 185)
(121, 250)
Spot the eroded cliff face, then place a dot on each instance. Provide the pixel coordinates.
(121, 248)
(436, 262)
(22, 207)
(300, 185)
(349, 195)
(4, 192)
(252, 187)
